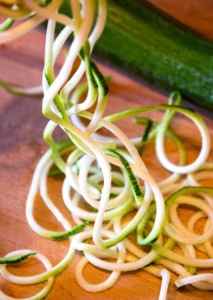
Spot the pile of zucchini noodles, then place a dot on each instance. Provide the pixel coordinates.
(108, 174)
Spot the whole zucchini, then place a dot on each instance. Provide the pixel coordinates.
(140, 40)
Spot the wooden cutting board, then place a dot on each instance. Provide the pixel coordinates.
(21, 147)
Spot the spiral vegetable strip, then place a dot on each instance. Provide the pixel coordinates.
(28, 24)
(22, 280)
(6, 24)
(109, 174)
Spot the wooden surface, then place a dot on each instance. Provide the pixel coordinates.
(21, 146)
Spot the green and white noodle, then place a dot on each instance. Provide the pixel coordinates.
(107, 187)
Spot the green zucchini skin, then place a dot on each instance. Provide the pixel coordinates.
(143, 42)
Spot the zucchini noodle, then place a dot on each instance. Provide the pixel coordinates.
(125, 219)
(23, 280)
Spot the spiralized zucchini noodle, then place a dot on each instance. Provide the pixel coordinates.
(108, 175)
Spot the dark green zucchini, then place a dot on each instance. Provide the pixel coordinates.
(140, 40)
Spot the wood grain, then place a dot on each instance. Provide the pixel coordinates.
(21, 146)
